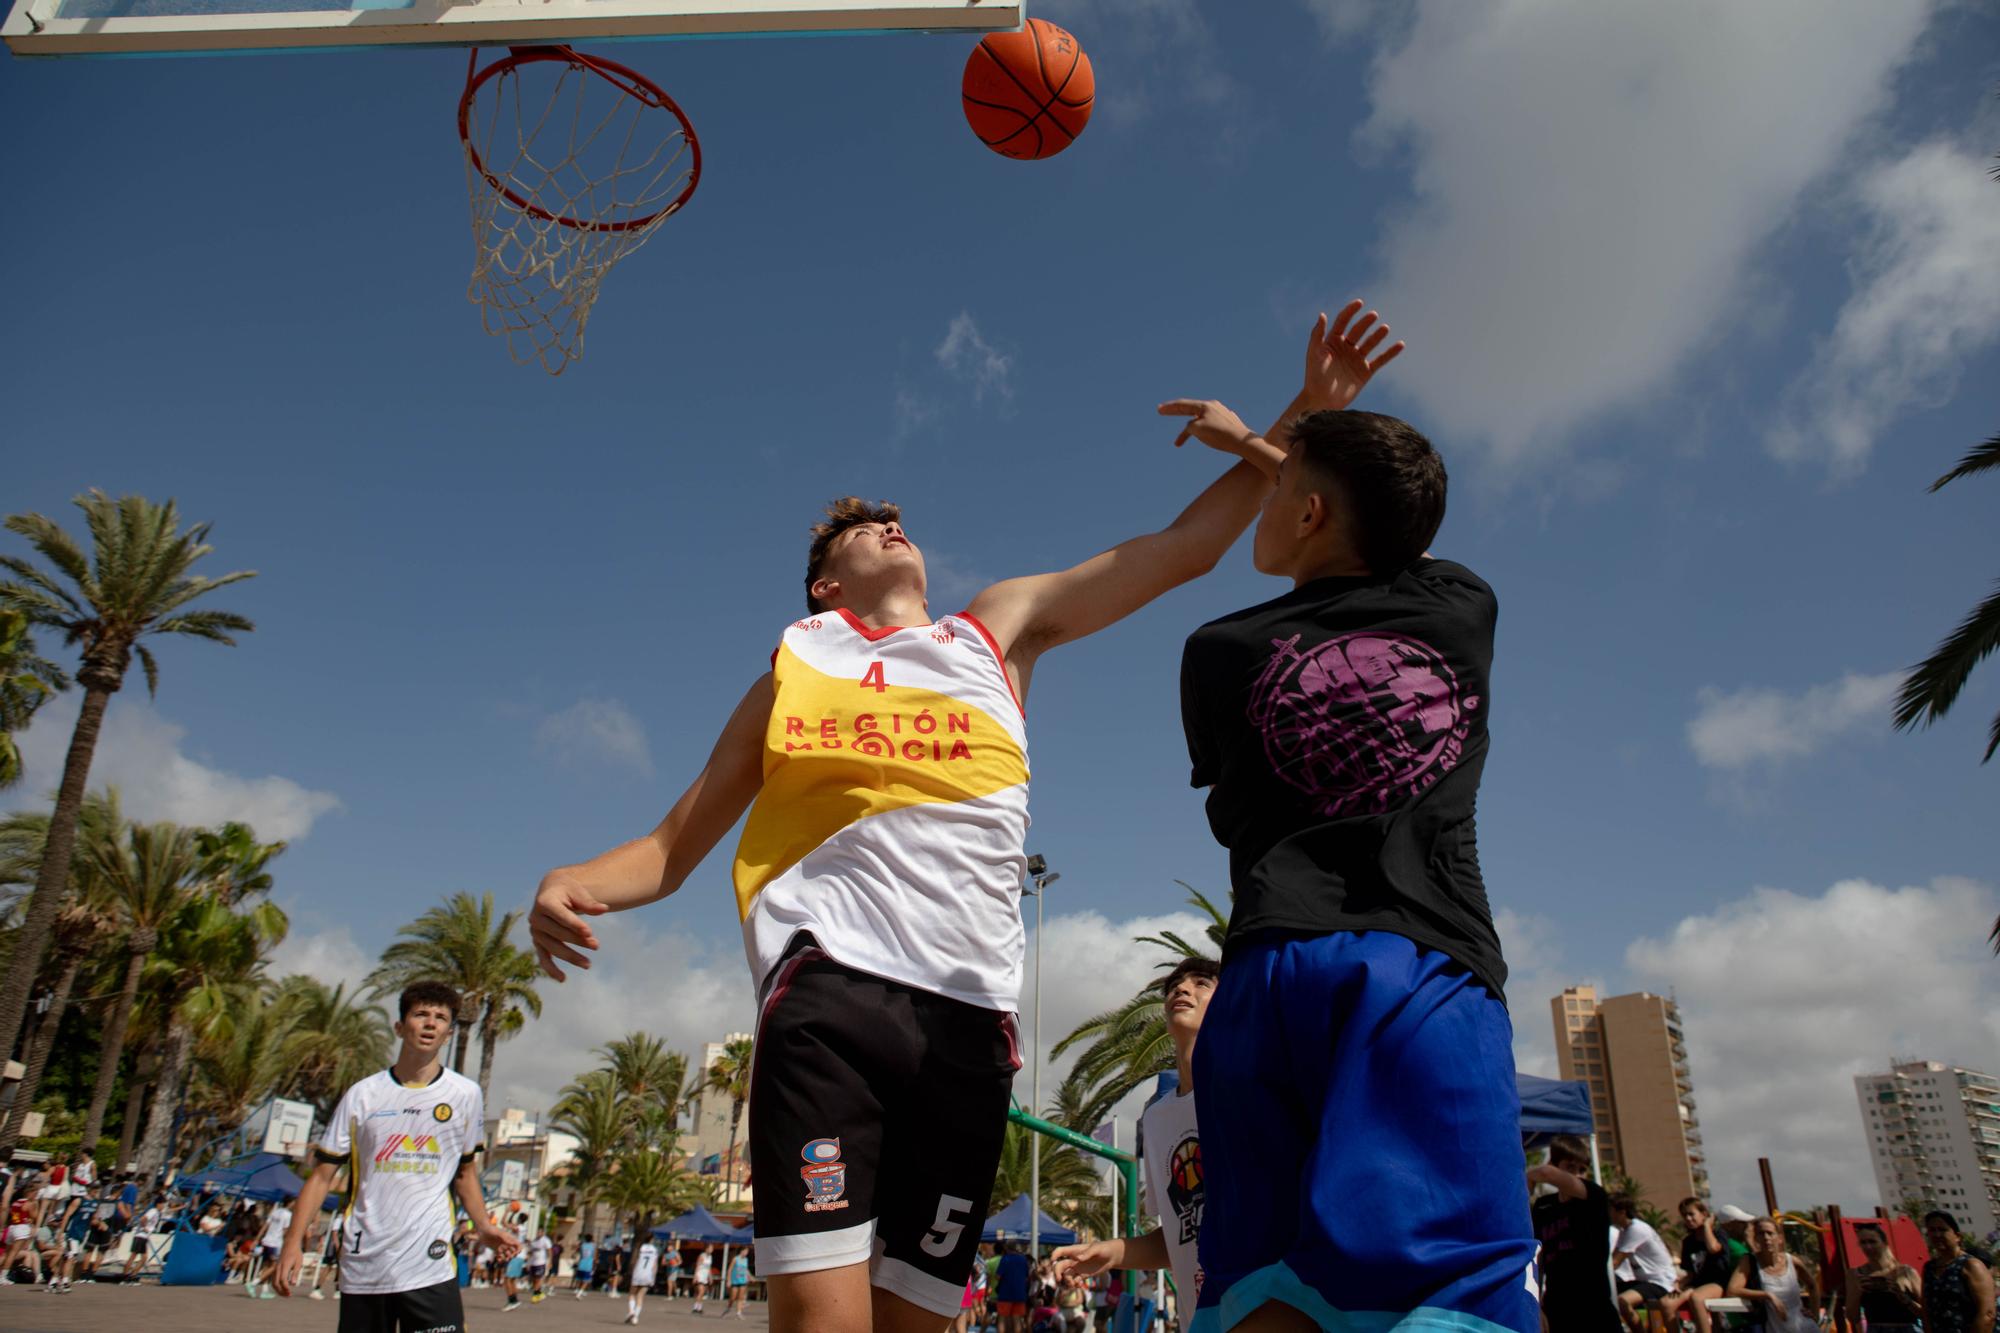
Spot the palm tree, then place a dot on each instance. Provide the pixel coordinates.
(1933, 684)
(1069, 1182)
(336, 1040)
(595, 1111)
(26, 682)
(647, 1184)
(463, 946)
(652, 1078)
(82, 925)
(147, 876)
(1129, 1045)
(138, 585)
(729, 1077)
(211, 959)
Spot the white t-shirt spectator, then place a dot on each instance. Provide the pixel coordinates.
(1174, 1184)
(274, 1226)
(1650, 1259)
(149, 1221)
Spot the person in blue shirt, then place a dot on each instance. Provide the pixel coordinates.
(739, 1283)
(1010, 1289)
(586, 1264)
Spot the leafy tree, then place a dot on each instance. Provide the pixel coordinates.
(136, 583)
(1070, 1186)
(335, 1040)
(82, 926)
(462, 945)
(27, 680)
(647, 1185)
(729, 1077)
(600, 1116)
(652, 1078)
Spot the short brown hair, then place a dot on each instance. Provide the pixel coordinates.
(1569, 1148)
(1189, 967)
(1624, 1203)
(1693, 1201)
(427, 992)
(849, 511)
(1390, 478)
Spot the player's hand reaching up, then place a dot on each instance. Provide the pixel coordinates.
(1211, 423)
(1338, 357)
(557, 925)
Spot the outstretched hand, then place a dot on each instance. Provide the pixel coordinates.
(1338, 364)
(1211, 423)
(556, 924)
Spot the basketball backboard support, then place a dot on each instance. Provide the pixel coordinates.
(159, 27)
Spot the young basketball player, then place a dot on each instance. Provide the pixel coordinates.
(1357, 1047)
(878, 878)
(1175, 1189)
(408, 1135)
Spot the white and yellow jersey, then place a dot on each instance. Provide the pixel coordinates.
(402, 1144)
(894, 813)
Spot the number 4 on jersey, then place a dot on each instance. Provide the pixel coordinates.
(873, 680)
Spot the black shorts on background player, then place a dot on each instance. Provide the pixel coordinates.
(881, 1110)
(433, 1309)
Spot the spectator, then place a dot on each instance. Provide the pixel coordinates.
(1708, 1257)
(1010, 1289)
(1882, 1290)
(975, 1293)
(672, 1259)
(1771, 1277)
(586, 1265)
(20, 1246)
(739, 1282)
(1958, 1289)
(1653, 1274)
(1573, 1225)
(704, 1266)
(211, 1220)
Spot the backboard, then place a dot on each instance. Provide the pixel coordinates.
(153, 27)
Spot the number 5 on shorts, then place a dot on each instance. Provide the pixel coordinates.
(944, 1232)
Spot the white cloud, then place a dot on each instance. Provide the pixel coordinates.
(969, 358)
(141, 753)
(1786, 997)
(1532, 948)
(1590, 184)
(642, 979)
(1751, 726)
(1926, 297)
(596, 731)
(330, 955)
(1139, 52)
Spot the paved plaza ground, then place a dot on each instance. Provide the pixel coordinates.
(148, 1308)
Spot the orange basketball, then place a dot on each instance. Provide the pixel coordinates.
(1028, 94)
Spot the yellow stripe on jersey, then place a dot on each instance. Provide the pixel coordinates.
(835, 754)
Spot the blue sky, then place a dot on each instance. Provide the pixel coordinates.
(1698, 304)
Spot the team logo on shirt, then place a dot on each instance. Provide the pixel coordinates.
(437, 1249)
(410, 1155)
(1185, 1191)
(825, 1176)
(1362, 722)
(441, 1112)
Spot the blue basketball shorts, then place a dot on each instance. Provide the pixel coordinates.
(1360, 1139)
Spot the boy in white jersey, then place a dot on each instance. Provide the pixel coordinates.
(878, 879)
(408, 1136)
(645, 1271)
(1172, 1143)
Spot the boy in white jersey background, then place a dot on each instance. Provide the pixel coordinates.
(878, 880)
(1171, 1139)
(408, 1136)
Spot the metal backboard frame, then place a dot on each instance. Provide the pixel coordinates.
(187, 27)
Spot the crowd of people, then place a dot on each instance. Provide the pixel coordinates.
(64, 1224)
(634, 1268)
(1729, 1256)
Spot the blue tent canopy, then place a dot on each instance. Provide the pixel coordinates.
(701, 1225)
(1550, 1106)
(1011, 1223)
(264, 1177)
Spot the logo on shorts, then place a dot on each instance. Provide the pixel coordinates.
(825, 1176)
(441, 1112)
(438, 1248)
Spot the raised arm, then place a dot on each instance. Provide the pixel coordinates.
(649, 868)
(1028, 616)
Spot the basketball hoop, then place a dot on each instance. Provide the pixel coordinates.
(571, 162)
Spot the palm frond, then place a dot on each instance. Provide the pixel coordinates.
(1985, 456)
(151, 668)
(41, 582)
(214, 626)
(57, 547)
(183, 593)
(1933, 685)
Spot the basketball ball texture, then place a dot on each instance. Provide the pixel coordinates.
(1028, 94)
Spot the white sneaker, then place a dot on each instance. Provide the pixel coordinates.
(318, 1295)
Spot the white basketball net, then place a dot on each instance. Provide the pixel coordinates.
(594, 165)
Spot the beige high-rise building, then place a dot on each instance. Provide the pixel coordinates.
(1630, 1051)
(707, 1143)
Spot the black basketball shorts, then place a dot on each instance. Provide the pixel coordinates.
(433, 1309)
(877, 1113)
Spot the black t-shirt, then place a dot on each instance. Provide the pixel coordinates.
(1706, 1267)
(1342, 731)
(1576, 1261)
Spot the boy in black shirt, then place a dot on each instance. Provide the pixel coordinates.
(1573, 1224)
(1364, 1156)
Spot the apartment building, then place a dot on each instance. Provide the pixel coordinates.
(1632, 1054)
(1933, 1135)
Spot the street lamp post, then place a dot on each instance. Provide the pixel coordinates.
(1041, 877)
